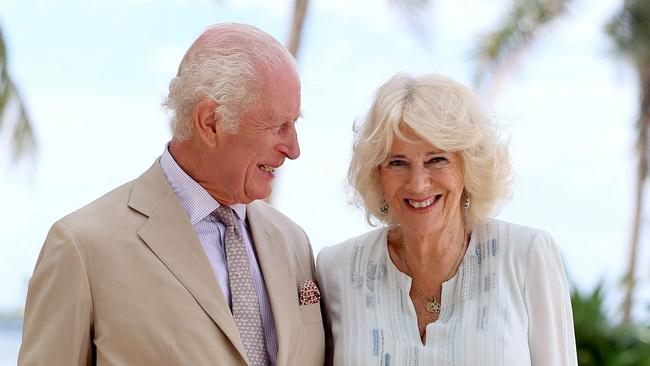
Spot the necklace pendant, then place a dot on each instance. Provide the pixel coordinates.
(433, 307)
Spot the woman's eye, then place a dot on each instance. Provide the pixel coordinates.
(436, 160)
(396, 163)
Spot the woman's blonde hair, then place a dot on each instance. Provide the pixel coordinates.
(445, 114)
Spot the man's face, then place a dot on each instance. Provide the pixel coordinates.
(246, 162)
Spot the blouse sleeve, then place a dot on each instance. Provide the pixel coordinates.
(551, 336)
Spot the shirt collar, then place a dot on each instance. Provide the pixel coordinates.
(196, 201)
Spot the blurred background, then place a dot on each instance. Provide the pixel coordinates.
(81, 83)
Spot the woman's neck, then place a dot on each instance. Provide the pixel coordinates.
(435, 255)
(436, 246)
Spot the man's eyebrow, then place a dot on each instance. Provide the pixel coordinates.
(293, 119)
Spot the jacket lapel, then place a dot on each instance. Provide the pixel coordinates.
(171, 237)
(280, 284)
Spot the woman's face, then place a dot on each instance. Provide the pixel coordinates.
(423, 186)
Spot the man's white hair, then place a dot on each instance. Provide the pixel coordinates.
(223, 65)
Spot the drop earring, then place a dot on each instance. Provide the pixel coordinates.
(384, 208)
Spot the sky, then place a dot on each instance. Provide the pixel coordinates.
(93, 75)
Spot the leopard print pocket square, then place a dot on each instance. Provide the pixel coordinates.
(308, 293)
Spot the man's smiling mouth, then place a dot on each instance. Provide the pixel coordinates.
(267, 168)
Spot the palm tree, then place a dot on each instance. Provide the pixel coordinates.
(22, 140)
(414, 11)
(630, 31)
(297, 23)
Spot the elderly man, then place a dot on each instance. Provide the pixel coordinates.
(184, 265)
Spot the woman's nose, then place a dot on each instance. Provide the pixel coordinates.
(418, 178)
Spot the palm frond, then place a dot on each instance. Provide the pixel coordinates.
(630, 31)
(22, 139)
(415, 13)
(499, 50)
(4, 78)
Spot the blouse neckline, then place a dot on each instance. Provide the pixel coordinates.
(448, 294)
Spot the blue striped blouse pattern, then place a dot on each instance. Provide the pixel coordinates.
(508, 304)
(384, 291)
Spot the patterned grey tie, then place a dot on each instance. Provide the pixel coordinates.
(245, 305)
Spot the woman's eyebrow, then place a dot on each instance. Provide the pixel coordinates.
(392, 156)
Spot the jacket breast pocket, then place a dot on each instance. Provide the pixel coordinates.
(310, 313)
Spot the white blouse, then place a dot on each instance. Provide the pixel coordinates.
(508, 304)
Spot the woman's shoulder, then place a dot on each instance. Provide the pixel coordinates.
(516, 241)
(512, 232)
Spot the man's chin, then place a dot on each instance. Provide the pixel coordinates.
(259, 194)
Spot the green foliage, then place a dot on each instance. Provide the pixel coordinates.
(601, 343)
(630, 31)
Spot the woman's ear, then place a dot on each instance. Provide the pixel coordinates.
(206, 121)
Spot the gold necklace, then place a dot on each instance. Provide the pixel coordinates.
(434, 305)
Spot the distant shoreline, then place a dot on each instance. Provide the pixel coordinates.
(11, 320)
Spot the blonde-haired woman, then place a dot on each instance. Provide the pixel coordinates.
(440, 282)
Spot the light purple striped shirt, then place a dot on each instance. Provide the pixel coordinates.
(199, 204)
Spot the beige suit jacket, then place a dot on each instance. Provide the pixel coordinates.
(125, 281)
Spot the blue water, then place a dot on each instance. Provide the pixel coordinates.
(9, 344)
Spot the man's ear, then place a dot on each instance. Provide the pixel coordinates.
(206, 121)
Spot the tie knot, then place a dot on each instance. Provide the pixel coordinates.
(226, 215)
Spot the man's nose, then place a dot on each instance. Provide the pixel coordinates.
(290, 146)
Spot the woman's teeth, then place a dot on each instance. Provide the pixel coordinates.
(421, 204)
